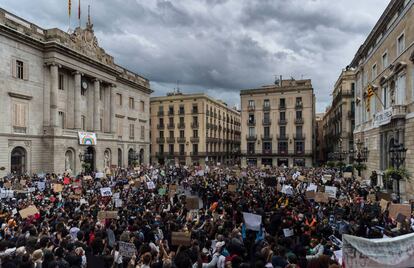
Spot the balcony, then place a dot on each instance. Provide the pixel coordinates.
(194, 125)
(181, 140)
(282, 137)
(195, 139)
(251, 122)
(300, 136)
(170, 140)
(194, 153)
(250, 108)
(160, 126)
(171, 126)
(267, 151)
(267, 137)
(282, 106)
(161, 140)
(266, 122)
(266, 107)
(399, 111)
(170, 112)
(181, 112)
(299, 121)
(251, 137)
(160, 113)
(282, 121)
(181, 125)
(283, 152)
(298, 105)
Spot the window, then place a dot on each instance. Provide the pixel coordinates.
(171, 149)
(298, 114)
(142, 106)
(161, 134)
(195, 133)
(161, 108)
(385, 60)
(131, 103)
(171, 120)
(195, 108)
(161, 148)
(251, 132)
(251, 103)
(131, 131)
(161, 121)
(299, 131)
(250, 148)
(171, 110)
(171, 134)
(182, 111)
(83, 122)
(400, 93)
(19, 69)
(282, 116)
(19, 115)
(61, 119)
(195, 148)
(182, 150)
(374, 72)
(182, 134)
(182, 120)
(142, 132)
(282, 131)
(266, 132)
(299, 101)
(119, 99)
(61, 82)
(266, 118)
(251, 119)
(400, 44)
(267, 147)
(282, 103)
(266, 103)
(195, 120)
(299, 147)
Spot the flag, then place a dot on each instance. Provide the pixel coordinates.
(70, 7)
(79, 10)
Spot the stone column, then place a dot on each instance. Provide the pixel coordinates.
(113, 105)
(96, 112)
(54, 88)
(77, 114)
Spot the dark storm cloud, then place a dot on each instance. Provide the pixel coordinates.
(221, 46)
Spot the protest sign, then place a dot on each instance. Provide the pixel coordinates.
(321, 197)
(404, 209)
(287, 189)
(180, 239)
(331, 191)
(6, 193)
(150, 185)
(126, 249)
(57, 188)
(192, 202)
(383, 252)
(106, 214)
(41, 185)
(106, 191)
(347, 175)
(99, 175)
(252, 221)
(384, 205)
(312, 187)
(116, 195)
(338, 256)
(232, 187)
(288, 232)
(310, 194)
(29, 211)
(31, 189)
(118, 203)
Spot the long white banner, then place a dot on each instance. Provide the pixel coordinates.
(393, 252)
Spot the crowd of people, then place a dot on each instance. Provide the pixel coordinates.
(143, 217)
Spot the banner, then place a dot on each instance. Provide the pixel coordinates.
(87, 138)
(382, 118)
(393, 252)
(252, 221)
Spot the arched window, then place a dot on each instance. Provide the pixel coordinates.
(69, 160)
(18, 160)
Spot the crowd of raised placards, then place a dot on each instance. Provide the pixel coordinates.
(191, 217)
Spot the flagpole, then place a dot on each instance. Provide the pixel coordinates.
(79, 12)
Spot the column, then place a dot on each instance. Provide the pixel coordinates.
(77, 114)
(113, 105)
(96, 112)
(54, 84)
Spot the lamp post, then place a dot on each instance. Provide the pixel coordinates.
(397, 155)
(361, 155)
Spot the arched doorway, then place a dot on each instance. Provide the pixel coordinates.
(141, 156)
(119, 157)
(69, 163)
(89, 160)
(18, 160)
(131, 157)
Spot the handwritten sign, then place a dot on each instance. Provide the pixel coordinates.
(180, 239)
(127, 249)
(106, 191)
(29, 211)
(321, 197)
(404, 209)
(107, 214)
(57, 188)
(331, 191)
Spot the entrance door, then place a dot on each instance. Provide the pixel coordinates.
(18, 160)
(141, 156)
(131, 157)
(90, 159)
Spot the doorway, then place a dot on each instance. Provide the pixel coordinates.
(18, 160)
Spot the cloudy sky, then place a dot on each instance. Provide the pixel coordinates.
(221, 46)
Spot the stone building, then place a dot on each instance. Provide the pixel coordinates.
(193, 129)
(65, 104)
(278, 124)
(384, 93)
(339, 119)
(319, 157)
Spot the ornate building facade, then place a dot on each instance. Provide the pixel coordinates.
(278, 124)
(65, 104)
(194, 129)
(384, 94)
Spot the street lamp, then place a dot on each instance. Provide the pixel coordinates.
(361, 154)
(397, 155)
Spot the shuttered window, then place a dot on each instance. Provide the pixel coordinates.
(19, 115)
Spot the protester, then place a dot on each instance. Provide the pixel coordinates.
(163, 216)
